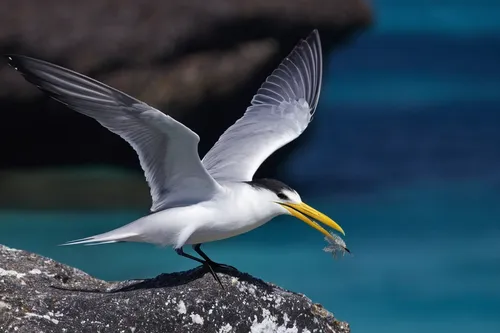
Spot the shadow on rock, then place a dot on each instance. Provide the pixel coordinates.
(41, 295)
(169, 280)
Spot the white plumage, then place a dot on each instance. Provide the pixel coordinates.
(195, 201)
(235, 210)
(278, 114)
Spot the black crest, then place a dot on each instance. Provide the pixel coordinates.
(270, 184)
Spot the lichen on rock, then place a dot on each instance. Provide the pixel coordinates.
(38, 294)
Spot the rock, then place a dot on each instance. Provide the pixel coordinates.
(38, 294)
(199, 60)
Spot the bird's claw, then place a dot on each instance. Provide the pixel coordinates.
(211, 270)
(222, 266)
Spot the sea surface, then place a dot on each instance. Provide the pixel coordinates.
(425, 259)
(404, 153)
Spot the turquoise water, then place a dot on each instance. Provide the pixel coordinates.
(427, 267)
(403, 153)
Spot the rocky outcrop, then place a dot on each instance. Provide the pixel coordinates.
(38, 294)
(198, 60)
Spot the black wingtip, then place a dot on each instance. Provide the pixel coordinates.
(313, 35)
(13, 60)
(10, 58)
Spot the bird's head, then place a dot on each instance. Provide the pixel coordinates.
(290, 203)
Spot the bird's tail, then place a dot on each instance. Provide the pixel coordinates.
(106, 238)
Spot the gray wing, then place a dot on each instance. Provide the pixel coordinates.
(168, 151)
(279, 113)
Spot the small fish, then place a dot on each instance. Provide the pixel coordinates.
(336, 245)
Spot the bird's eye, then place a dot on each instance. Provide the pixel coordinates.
(282, 196)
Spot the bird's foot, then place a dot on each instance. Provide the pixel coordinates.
(219, 266)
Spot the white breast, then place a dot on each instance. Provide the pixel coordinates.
(241, 209)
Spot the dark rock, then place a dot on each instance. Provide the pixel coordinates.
(38, 294)
(198, 60)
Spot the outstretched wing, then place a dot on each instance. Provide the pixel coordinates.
(278, 114)
(168, 150)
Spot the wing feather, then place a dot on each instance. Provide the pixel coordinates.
(167, 150)
(278, 114)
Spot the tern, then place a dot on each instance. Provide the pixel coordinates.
(195, 201)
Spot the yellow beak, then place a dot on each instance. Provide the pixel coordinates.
(301, 210)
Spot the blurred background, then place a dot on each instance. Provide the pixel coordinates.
(403, 151)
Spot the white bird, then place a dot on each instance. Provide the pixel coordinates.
(197, 201)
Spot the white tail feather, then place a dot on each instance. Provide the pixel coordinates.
(105, 238)
(101, 243)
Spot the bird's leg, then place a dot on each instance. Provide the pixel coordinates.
(197, 248)
(181, 252)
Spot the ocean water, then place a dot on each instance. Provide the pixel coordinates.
(425, 258)
(403, 153)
